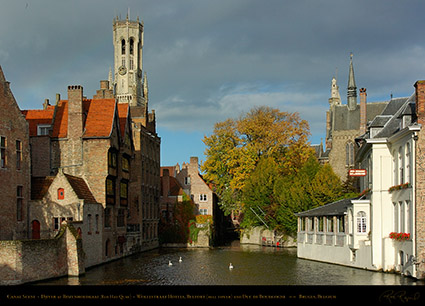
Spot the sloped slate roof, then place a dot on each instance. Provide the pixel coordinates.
(396, 107)
(337, 208)
(350, 120)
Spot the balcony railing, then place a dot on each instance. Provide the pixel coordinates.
(322, 238)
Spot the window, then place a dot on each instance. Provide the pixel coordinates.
(125, 164)
(401, 165)
(402, 217)
(396, 217)
(55, 224)
(61, 194)
(408, 163)
(330, 224)
(43, 129)
(18, 154)
(2, 152)
(321, 224)
(131, 46)
(112, 159)
(341, 224)
(120, 218)
(349, 154)
(124, 192)
(187, 180)
(203, 211)
(203, 197)
(19, 202)
(123, 46)
(311, 224)
(408, 217)
(361, 222)
(97, 224)
(131, 63)
(110, 191)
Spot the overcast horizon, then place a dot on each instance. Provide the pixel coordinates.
(207, 61)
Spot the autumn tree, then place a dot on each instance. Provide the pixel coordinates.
(236, 146)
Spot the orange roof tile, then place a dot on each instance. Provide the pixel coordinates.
(36, 117)
(123, 111)
(100, 118)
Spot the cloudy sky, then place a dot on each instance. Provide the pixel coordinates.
(207, 61)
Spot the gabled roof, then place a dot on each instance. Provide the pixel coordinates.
(345, 119)
(337, 208)
(40, 186)
(81, 189)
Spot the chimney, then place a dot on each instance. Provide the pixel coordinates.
(58, 97)
(165, 182)
(420, 101)
(46, 104)
(75, 111)
(104, 84)
(363, 117)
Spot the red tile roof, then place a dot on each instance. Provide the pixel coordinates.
(36, 117)
(123, 112)
(100, 114)
(100, 118)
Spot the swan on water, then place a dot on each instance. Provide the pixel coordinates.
(170, 263)
(180, 259)
(230, 266)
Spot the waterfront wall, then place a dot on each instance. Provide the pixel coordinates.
(23, 261)
(262, 236)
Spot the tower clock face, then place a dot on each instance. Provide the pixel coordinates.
(122, 70)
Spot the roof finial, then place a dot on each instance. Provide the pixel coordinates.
(351, 88)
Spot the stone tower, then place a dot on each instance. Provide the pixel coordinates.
(128, 82)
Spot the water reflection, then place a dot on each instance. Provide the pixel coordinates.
(253, 265)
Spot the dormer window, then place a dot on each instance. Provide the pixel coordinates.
(43, 129)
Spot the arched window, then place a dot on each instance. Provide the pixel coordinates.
(349, 154)
(361, 222)
(131, 46)
(123, 46)
(61, 194)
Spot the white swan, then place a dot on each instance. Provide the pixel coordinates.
(170, 263)
(230, 266)
(180, 259)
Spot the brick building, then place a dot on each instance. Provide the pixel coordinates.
(90, 139)
(14, 166)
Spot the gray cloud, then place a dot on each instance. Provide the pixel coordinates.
(210, 60)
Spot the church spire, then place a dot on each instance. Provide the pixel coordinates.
(351, 89)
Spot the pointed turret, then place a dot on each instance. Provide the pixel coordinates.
(335, 98)
(351, 89)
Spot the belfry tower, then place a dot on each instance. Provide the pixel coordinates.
(129, 84)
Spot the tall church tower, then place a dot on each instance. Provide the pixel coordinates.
(128, 84)
(351, 88)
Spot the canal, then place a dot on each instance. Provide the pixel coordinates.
(252, 265)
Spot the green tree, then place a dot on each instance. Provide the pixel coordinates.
(236, 146)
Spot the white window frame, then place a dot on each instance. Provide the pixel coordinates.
(41, 128)
(203, 197)
(203, 211)
(361, 222)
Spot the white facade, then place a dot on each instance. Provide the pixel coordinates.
(384, 211)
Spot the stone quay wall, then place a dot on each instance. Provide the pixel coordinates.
(23, 261)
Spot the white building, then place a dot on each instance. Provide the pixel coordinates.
(363, 232)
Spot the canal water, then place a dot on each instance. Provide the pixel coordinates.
(252, 265)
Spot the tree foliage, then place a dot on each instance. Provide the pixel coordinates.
(236, 146)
